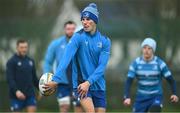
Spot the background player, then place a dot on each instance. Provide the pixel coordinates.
(54, 53)
(149, 70)
(21, 77)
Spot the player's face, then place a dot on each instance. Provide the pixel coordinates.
(22, 48)
(88, 25)
(69, 30)
(147, 52)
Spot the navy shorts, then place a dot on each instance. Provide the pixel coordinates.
(75, 100)
(144, 104)
(63, 91)
(18, 105)
(98, 98)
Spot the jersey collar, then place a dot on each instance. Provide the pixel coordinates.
(92, 35)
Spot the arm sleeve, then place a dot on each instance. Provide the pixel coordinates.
(132, 70)
(130, 76)
(165, 70)
(10, 75)
(128, 85)
(172, 83)
(103, 60)
(49, 58)
(35, 79)
(69, 53)
(168, 76)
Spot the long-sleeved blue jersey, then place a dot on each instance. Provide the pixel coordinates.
(91, 53)
(21, 75)
(149, 77)
(54, 53)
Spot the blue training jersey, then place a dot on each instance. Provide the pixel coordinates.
(149, 75)
(54, 53)
(92, 53)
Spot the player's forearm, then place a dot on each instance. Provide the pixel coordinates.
(11, 82)
(10, 70)
(172, 83)
(35, 78)
(65, 61)
(99, 72)
(12, 85)
(36, 81)
(49, 60)
(14, 88)
(49, 57)
(128, 84)
(96, 75)
(47, 67)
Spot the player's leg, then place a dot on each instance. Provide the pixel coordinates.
(76, 104)
(78, 109)
(155, 109)
(156, 105)
(99, 101)
(16, 105)
(100, 110)
(31, 104)
(63, 97)
(87, 105)
(31, 109)
(64, 104)
(141, 106)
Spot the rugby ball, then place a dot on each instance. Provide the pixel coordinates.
(45, 78)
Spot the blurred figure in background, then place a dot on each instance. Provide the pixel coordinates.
(149, 71)
(54, 53)
(91, 51)
(21, 78)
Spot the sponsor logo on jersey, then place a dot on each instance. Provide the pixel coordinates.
(99, 44)
(30, 63)
(19, 63)
(86, 42)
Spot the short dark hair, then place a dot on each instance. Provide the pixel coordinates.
(21, 41)
(69, 22)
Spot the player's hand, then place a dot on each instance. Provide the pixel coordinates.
(20, 95)
(50, 86)
(127, 102)
(174, 98)
(83, 89)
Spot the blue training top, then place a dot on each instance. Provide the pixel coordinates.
(55, 52)
(92, 54)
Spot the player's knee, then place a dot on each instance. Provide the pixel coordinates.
(64, 108)
(156, 108)
(31, 109)
(78, 109)
(87, 105)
